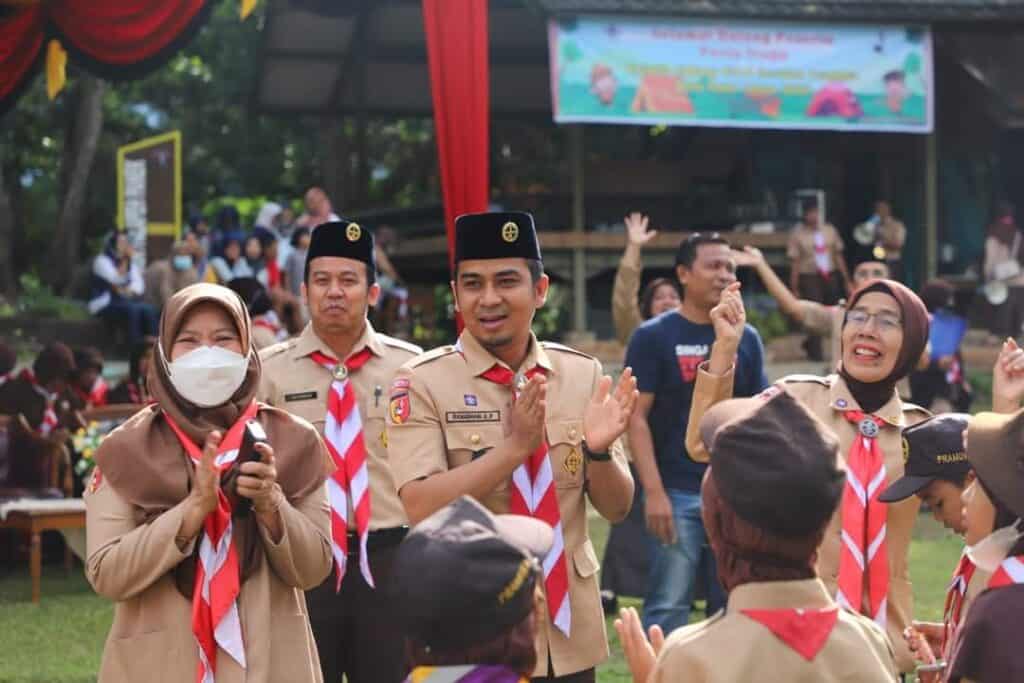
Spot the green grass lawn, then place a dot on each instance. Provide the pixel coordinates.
(60, 640)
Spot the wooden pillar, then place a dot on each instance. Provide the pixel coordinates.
(931, 207)
(579, 263)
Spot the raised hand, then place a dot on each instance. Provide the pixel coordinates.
(636, 229)
(207, 481)
(750, 257)
(729, 316)
(524, 426)
(641, 650)
(256, 479)
(607, 415)
(1008, 378)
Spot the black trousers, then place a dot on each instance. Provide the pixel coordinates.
(585, 676)
(356, 634)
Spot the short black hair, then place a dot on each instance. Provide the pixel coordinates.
(535, 267)
(687, 252)
(371, 273)
(54, 362)
(88, 358)
(8, 358)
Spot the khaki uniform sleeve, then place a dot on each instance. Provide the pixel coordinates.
(122, 558)
(625, 307)
(818, 317)
(837, 239)
(709, 390)
(302, 558)
(416, 444)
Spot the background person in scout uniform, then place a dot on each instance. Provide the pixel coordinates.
(454, 429)
(884, 334)
(356, 634)
(164, 496)
(987, 647)
(468, 586)
(814, 317)
(769, 494)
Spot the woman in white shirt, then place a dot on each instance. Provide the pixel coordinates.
(117, 289)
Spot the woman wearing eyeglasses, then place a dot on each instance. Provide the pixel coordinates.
(863, 558)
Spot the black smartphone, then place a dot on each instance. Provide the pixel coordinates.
(251, 435)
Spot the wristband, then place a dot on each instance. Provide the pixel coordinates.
(596, 457)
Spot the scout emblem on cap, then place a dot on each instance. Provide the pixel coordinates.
(572, 462)
(353, 232)
(510, 232)
(340, 372)
(868, 428)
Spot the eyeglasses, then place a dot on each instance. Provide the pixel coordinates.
(886, 322)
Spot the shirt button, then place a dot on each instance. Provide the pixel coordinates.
(474, 439)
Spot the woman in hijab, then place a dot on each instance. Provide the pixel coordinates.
(132, 388)
(267, 329)
(230, 263)
(205, 556)
(117, 289)
(884, 333)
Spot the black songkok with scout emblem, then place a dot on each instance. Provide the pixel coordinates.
(498, 234)
(344, 238)
(773, 462)
(464, 576)
(932, 449)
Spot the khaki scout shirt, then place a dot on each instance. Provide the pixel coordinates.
(295, 382)
(892, 235)
(625, 307)
(801, 247)
(733, 647)
(453, 414)
(827, 397)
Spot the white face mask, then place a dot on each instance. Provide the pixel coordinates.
(988, 553)
(208, 376)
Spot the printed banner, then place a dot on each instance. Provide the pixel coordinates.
(691, 72)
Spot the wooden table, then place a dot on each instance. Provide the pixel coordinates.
(60, 514)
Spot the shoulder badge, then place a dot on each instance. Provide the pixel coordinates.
(398, 405)
(277, 349)
(396, 343)
(816, 379)
(554, 346)
(432, 355)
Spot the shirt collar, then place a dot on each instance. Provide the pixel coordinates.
(480, 360)
(804, 593)
(841, 399)
(308, 342)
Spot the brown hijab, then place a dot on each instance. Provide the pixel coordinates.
(874, 395)
(147, 465)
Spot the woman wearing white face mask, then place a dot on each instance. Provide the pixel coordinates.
(987, 646)
(202, 586)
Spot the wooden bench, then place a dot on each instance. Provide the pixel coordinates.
(34, 516)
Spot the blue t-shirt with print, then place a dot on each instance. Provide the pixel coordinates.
(664, 353)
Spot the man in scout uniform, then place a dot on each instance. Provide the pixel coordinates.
(524, 426)
(335, 374)
(769, 495)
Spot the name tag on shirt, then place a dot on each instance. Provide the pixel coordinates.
(300, 396)
(473, 416)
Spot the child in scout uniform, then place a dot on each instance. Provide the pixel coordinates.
(467, 585)
(884, 333)
(522, 426)
(769, 495)
(335, 374)
(987, 646)
(937, 472)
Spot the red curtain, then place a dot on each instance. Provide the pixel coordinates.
(459, 84)
(113, 39)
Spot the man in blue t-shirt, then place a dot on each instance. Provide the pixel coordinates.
(665, 353)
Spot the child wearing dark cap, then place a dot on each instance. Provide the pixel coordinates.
(768, 497)
(466, 583)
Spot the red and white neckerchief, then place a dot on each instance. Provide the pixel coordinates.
(50, 421)
(822, 259)
(5, 378)
(343, 434)
(270, 321)
(805, 631)
(215, 619)
(862, 556)
(955, 596)
(533, 494)
(1010, 572)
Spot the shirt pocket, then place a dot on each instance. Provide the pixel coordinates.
(465, 443)
(584, 559)
(565, 450)
(373, 430)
